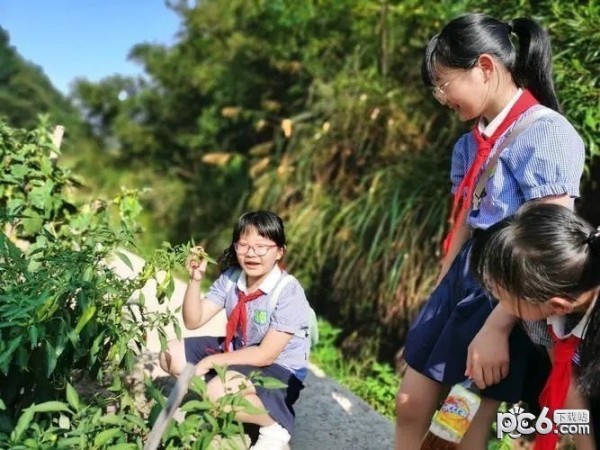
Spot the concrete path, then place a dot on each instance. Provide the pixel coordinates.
(328, 416)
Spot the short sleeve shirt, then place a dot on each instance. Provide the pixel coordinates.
(291, 314)
(545, 159)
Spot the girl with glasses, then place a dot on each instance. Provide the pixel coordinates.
(262, 336)
(496, 74)
(543, 263)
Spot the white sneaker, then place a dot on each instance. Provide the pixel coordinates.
(270, 443)
(273, 437)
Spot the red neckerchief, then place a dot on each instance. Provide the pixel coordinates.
(555, 391)
(239, 318)
(463, 198)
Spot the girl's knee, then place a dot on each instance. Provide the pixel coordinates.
(234, 383)
(408, 407)
(417, 397)
(172, 360)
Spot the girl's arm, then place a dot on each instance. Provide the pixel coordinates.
(487, 359)
(564, 200)
(196, 311)
(462, 234)
(257, 355)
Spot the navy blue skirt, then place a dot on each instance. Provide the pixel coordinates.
(437, 342)
(278, 402)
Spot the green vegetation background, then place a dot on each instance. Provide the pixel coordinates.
(315, 110)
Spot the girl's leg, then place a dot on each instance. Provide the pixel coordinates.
(235, 382)
(478, 434)
(416, 401)
(172, 360)
(272, 436)
(575, 400)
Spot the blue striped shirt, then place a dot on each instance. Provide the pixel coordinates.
(545, 159)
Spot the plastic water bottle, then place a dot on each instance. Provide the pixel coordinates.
(452, 420)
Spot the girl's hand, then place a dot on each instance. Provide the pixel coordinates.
(196, 263)
(488, 360)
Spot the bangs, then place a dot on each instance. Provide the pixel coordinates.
(267, 224)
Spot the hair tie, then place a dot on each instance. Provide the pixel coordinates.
(510, 28)
(593, 237)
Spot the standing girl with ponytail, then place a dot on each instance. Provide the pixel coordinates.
(543, 263)
(521, 149)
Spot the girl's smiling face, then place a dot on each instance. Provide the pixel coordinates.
(465, 91)
(257, 255)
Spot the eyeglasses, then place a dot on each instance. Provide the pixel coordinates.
(440, 94)
(259, 250)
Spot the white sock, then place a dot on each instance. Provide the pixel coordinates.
(277, 431)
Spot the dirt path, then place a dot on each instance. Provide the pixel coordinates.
(328, 416)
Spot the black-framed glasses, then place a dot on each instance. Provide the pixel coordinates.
(259, 249)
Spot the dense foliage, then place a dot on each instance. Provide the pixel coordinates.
(71, 328)
(314, 109)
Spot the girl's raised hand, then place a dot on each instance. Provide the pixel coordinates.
(196, 263)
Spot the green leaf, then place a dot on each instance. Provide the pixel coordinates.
(113, 419)
(33, 335)
(196, 405)
(72, 397)
(32, 222)
(22, 424)
(88, 313)
(270, 382)
(123, 257)
(51, 358)
(104, 437)
(5, 357)
(123, 446)
(51, 406)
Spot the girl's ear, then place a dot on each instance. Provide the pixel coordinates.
(561, 306)
(280, 253)
(486, 62)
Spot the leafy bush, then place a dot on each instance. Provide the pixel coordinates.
(63, 307)
(66, 317)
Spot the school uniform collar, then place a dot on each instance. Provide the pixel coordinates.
(491, 127)
(267, 285)
(557, 323)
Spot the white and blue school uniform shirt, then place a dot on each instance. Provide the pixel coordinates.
(545, 159)
(290, 315)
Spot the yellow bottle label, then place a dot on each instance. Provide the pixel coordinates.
(458, 410)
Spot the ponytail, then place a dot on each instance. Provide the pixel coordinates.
(228, 259)
(589, 376)
(533, 68)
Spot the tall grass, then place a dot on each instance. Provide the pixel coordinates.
(362, 175)
(365, 190)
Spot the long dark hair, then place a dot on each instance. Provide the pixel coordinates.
(545, 250)
(465, 38)
(266, 223)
